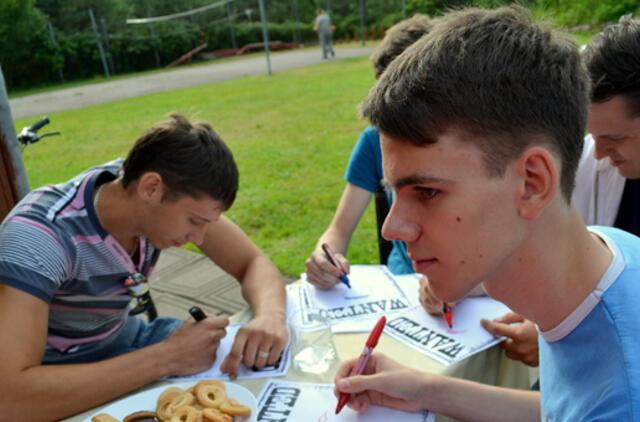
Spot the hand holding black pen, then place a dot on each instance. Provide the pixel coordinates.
(197, 313)
(332, 258)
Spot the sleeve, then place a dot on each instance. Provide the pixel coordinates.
(32, 258)
(365, 165)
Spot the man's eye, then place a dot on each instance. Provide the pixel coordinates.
(427, 193)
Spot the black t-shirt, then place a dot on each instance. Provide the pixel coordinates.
(628, 218)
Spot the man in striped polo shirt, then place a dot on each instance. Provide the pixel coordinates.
(72, 255)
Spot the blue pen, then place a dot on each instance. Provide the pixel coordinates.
(332, 258)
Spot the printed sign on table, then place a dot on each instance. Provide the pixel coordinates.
(286, 401)
(431, 335)
(374, 292)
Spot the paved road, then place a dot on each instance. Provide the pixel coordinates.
(72, 98)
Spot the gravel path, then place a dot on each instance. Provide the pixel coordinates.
(67, 99)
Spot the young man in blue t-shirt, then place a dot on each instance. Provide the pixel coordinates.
(364, 174)
(482, 125)
(607, 189)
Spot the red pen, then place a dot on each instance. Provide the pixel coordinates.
(372, 341)
(446, 312)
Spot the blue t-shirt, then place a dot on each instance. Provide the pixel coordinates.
(589, 366)
(365, 171)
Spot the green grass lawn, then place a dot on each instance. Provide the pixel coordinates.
(291, 134)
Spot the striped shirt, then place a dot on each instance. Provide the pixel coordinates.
(53, 246)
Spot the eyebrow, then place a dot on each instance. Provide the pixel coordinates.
(612, 136)
(414, 179)
(197, 217)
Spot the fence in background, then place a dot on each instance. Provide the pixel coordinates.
(154, 41)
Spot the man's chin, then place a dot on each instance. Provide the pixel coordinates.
(628, 174)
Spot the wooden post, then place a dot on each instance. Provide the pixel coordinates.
(362, 28)
(53, 40)
(153, 41)
(106, 43)
(233, 34)
(265, 33)
(95, 31)
(13, 178)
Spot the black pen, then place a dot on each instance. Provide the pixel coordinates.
(197, 313)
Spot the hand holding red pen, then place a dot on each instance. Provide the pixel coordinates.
(383, 382)
(357, 369)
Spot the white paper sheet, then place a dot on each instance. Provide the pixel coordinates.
(408, 283)
(431, 335)
(374, 292)
(286, 401)
(279, 369)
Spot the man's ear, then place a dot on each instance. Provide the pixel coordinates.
(538, 170)
(150, 187)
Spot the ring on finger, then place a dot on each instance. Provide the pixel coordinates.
(262, 354)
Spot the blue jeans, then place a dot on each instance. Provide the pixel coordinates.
(325, 42)
(133, 335)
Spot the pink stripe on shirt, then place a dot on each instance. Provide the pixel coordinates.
(93, 239)
(33, 199)
(78, 201)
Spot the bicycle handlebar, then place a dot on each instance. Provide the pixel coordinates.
(37, 125)
(29, 134)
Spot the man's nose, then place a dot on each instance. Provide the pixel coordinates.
(602, 148)
(399, 224)
(197, 235)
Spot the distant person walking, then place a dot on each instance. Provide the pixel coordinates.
(325, 32)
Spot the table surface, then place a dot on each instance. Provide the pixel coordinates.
(489, 366)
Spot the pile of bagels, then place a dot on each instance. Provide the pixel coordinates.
(207, 401)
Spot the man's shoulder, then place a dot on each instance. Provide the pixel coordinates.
(368, 146)
(625, 248)
(59, 210)
(370, 136)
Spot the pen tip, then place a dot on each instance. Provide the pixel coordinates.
(448, 319)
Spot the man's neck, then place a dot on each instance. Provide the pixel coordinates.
(116, 213)
(554, 274)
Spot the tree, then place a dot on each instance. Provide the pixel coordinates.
(23, 35)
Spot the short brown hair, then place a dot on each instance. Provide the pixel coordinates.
(613, 61)
(397, 39)
(192, 160)
(494, 74)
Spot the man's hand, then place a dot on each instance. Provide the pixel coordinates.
(429, 301)
(522, 337)
(383, 382)
(321, 272)
(196, 343)
(258, 343)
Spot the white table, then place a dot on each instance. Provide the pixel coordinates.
(490, 366)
